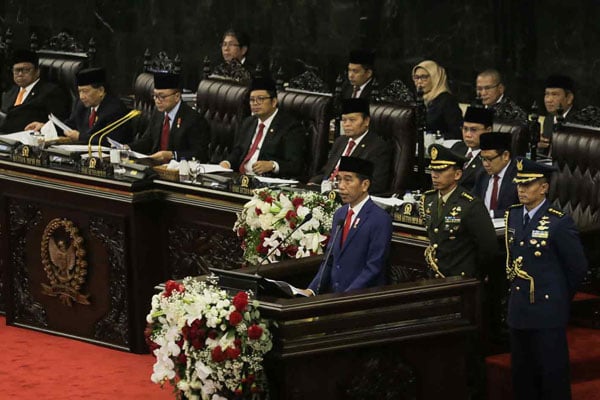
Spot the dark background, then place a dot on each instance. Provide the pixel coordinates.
(526, 40)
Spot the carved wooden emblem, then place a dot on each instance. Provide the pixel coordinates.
(25, 151)
(92, 163)
(63, 258)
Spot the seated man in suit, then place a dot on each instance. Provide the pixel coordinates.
(496, 188)
(358, 141)
(235, 46)
(361, 235)
(269, 141)
(30, 99)
(95, 109)
(360, 75)
(490, 89)
(476, 121)
(559, 94)
(175, 130)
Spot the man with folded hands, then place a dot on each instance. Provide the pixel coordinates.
(175, 130)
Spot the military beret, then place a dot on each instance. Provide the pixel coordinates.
(362, 56)
(263, 84)
(357, 165)
(442, 158)
(166, 80)
(495, 141)
(561, 82)
(355, 105)
(479, 115)
(25, 56)
(529, 171)
(91, 76)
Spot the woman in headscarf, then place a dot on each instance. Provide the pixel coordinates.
(443, 112)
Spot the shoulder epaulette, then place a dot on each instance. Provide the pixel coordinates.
(556, 212)
(430, 191)
(516, 205)
(467, 196)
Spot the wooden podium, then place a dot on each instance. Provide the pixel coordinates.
(403, 341)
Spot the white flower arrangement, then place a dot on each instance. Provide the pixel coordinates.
(208, 345)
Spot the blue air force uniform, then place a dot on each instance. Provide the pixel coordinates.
(545, 264)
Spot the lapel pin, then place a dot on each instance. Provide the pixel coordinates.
(178, 122)
(356, 222)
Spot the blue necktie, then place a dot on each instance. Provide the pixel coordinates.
(526, 220)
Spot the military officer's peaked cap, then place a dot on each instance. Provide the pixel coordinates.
(442, 158)
(357, 165)
(529, 171)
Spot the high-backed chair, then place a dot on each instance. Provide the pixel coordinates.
(576, 187)
(396, 123)
(61, 57)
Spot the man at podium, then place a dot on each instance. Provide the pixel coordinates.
(361, 232)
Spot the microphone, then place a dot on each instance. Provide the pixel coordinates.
(109, 128)
(307, 218)
(326, 259)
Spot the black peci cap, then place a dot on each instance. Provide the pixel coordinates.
(357, 165)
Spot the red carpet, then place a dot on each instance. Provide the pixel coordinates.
(41, 366)
(584, 351)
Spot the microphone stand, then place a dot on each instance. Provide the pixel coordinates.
(307, 218)
(326, 259)
(109, 128)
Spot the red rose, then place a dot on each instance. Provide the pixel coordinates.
(265, 234)
(238, 391)
(254, 332)
(292, 225)
(269, 199)
(240, 301)
(213, 334)
(291, 215)
(197, 342)
(297, 202)
(172, 286)
(237, 342)
(232, 353)
(291, 250)
(180, 343)
(217, 354)
(257, 211)
(241, 232)
(181, 358)
(235, 318)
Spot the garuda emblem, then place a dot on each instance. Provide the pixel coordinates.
(63, 258)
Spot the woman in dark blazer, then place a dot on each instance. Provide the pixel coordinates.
(443, 112)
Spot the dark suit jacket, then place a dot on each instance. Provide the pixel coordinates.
(364, 94)
(444, 115)
(189, 135)
(110, 109)
(463, 236)
(372, 148)
(507, 194)
(45, 98)
(362, 260)
(553, 256)
(472, 171)
(285, 143)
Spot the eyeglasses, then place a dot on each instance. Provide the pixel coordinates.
(229, 44)
(486, 88)
(471, 129)
(161, 97)
(420, 77)
(259, 99)
(489, 159)
(24, 70)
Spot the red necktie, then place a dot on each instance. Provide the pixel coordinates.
(351, 144)
(494, 198)
(164, 136)
(355, 90)
(347, 225)
(20, 96)
(92, 119)
(469, 158)
(261, 129)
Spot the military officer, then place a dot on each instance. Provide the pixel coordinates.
(462, 237)
(545, 263)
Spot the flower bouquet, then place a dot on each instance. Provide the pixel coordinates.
(207, 344)
(272, 214)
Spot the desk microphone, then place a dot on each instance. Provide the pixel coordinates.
(307, 218)
(326, 259)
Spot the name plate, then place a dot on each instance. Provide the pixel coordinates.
(408, 213)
